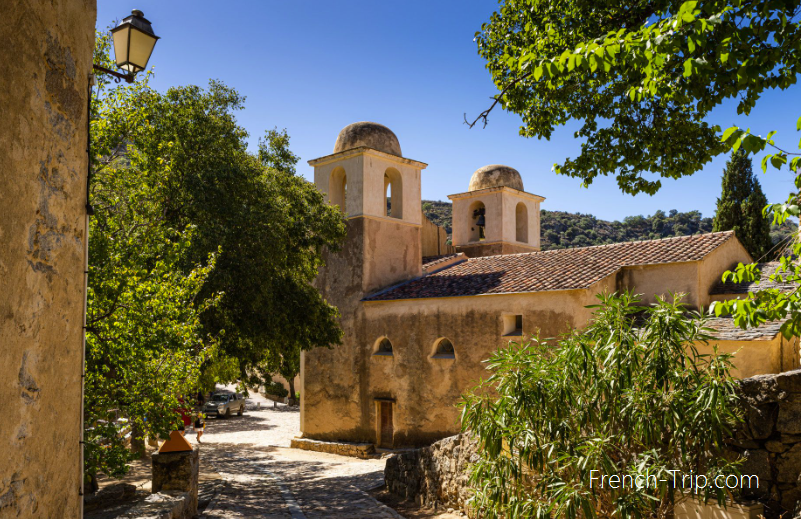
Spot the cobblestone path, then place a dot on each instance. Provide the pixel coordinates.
(263, 477)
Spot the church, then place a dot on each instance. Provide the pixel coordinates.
(419, 315)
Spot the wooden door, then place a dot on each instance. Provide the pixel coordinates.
(386, 424)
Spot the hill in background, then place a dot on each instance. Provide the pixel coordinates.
(561, 229)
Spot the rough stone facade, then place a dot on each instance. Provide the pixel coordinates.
(769, 440)
(46, 51)
(388, 383)
(434, 239)
(435, 476)
(178, 472)
(354, 450)
(493, 249)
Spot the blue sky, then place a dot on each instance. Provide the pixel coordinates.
(313, 67)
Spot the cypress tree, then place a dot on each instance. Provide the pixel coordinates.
(740, 207)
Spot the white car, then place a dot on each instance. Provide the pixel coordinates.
(225, 404)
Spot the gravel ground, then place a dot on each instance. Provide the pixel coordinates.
(264, 477)
(248, 470)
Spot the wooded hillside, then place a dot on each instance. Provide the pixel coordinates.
(561, 229)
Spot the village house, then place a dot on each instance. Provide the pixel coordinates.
(419, 315)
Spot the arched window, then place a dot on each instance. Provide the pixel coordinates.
(521, 222)
(383, 347)
(477, 221)
(393, 192)
(337, 188)
(444, 349)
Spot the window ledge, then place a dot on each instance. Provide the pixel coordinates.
(443, 356)
(516, 333)
(382, 354)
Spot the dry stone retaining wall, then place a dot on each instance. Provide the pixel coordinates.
(435, 476)
(769, 440)
(356, 450)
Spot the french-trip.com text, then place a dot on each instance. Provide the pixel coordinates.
(692, 482)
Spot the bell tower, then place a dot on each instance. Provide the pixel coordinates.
(496, 216)
(384, 239)
(378, 190)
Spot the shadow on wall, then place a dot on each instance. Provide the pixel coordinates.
(443, 285)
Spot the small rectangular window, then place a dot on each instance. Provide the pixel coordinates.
(512, 325)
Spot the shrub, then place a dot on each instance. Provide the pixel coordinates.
(276, 389)
(628, 395)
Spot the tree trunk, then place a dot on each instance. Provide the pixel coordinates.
(292, 400)
(91, 484)
(138, 441)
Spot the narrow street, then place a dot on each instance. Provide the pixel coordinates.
(260, 476)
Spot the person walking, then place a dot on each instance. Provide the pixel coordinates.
(186, 417)
(200, 425)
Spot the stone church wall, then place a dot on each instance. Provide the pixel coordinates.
(342, 384)
(435, 239)
(769, 440)
(46, 52)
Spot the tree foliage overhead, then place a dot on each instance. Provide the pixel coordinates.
(639, 77)
(740, 206)
(145, 342)
(269, 224)
(629, 395)
(201, 256)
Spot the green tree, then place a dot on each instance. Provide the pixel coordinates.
(629, 395)
(274, 151)
(740, 206)
(640, 78)
(270, 225)
(145, 342)
(201, 256)
(286, 364)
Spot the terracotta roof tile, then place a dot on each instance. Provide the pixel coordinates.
(726, 330)
(430, 261)
(563, 269)
(767, 270)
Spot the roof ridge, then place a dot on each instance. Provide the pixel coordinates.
(616, 244)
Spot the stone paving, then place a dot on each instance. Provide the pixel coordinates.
(263, 477)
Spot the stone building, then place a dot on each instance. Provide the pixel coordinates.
(46, 52)
(418, 324)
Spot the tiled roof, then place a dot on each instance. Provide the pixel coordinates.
(564, 269)
(430, 261)
(767, 269)
(433, 264)
(726, 330)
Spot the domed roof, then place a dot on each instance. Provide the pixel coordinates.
(372, 135)
(495, 175)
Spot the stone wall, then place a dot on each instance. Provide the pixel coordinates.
(769, 440)
(434, 239)
(354, 450)
(434, 476)
(175, 473)
(46, 52)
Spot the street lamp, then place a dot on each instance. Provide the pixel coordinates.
(133, 42)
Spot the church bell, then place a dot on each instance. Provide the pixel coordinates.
(479, 214)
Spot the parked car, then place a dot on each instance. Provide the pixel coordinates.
(225, 404)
